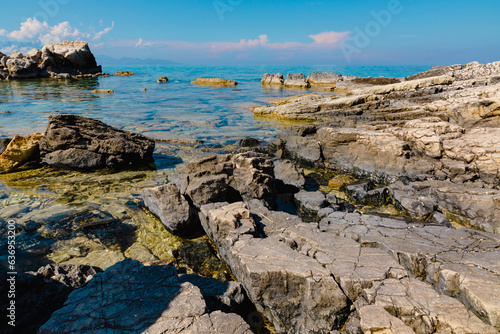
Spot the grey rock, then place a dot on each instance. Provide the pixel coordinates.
(365, 193)
(309, 203)
(68, 136)
(324, 78)
(174, 211)
(296, 80)
(208, 189)
(129, 297)
(293, 290)
(375, 318)
(248, 142)
(440, 219)
(289, 176)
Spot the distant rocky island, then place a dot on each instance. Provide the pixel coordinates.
(403, 237)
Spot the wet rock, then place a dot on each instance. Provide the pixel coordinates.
(79, 142)
(139, 298)
(174, 211)
(272, 79)
(289, 176)
(99, 258)
(4, 142)
(248, 142)
(162, 79)
(366, 193)
(140, 253)
(41, 293)
(296, 80)
(102, 91)
(214, 82)
(124, 73)
(19, 151)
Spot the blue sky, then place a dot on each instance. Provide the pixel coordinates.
(377, 32)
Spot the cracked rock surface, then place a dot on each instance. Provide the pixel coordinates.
(394, 276)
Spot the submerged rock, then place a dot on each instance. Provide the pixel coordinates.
(102, 91)
(79, 142)
(214, 82)
(145, 299)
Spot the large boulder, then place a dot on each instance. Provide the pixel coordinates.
(325, 78)
(21, 68)
(69, 57)
(296, 80)
(129, 297)
(172, 208)
(79, 142)
(272, 79)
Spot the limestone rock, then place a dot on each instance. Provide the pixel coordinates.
(272, 79)
(172, 208)
(296, 80)
(374, 319)
(162, 79)
(325, 78)
(289, 176)
(79, 142)
(19, 151)
(141, 299)
(124, 73)
(69, 57)
(214, 82)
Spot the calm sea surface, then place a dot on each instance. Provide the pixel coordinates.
(97, 218)
(176, 110)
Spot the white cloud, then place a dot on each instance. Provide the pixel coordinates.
(11, 48)
(105, 31)
(35, 31)
(330, 37)
(143, 44)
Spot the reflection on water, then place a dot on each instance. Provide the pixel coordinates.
(98, 218)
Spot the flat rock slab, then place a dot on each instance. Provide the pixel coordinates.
(131, 298)
(427, 278)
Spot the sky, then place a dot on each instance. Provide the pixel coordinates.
(263, 32)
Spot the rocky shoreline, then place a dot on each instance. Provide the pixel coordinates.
(379, 214)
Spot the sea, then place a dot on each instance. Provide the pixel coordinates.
(97, 218)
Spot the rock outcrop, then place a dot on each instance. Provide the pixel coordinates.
(272, 79)
(296, 80)
(41, 293)
(172, 208)
(162, 79)
(325, 78)
(441, 126)
(55, 60)
(79, 142)
(381, 272)
(130, 297)
(214, 82)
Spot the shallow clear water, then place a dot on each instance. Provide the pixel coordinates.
(95, 217)
(174, 110)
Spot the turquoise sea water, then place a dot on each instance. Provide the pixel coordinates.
(176, 110)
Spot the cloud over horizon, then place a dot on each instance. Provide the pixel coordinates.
(41, 33)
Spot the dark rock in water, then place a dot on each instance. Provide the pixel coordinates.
(172, 208)
(79, 142)
(4, 142)
(365, 193)
(129, 297)
(162, 79)
(248, 142)
(289, 176)
(41, 293)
